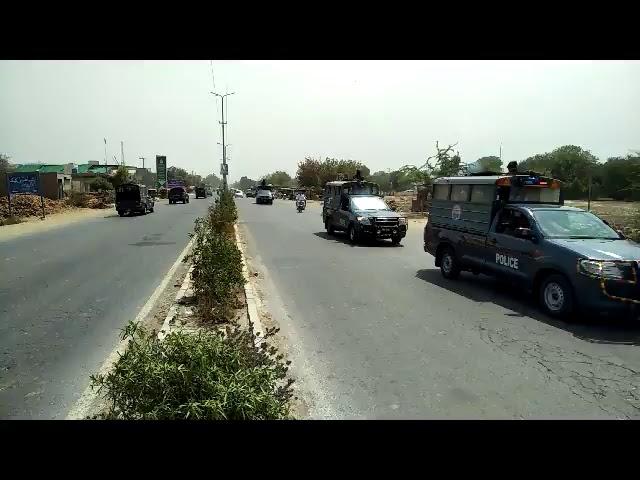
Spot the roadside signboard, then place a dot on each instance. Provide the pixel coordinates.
(161, 170)
(224, 169)
(23, 183)
(175, 183)
(27, 183)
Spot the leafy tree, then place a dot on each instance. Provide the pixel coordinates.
(121, 176)
(316, 172)
(244, 183)
(213, 180)
(177, 173)
(101, 184)
(5, 166)
(490, 163)
(570, 164)
(279, 178)
(620, 178)
(443, 164)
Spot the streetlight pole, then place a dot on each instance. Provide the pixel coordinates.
(224, 149)
(142, 158)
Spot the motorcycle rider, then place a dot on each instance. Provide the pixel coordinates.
(301, 197)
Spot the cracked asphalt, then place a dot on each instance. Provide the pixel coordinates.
(374, 331)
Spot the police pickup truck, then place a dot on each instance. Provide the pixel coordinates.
(356, 207)
(516, 227)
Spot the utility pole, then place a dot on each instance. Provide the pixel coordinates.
(105, 155)
(589, 197)
(122, 152)
(224, 149)
(142, 158)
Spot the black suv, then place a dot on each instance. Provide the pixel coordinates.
(178, 194)
(201, 192)
(133, 198)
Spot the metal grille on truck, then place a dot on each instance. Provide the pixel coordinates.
(385, 222)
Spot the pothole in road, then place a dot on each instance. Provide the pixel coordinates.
(150, 243)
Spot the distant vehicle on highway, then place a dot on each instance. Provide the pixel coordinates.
(250, 193)
(201, 192)
(133, 198)
(516, 226)
(209, 192)
(264, 194)
(178, 194)
(153, 193)
(238, 193)
(354, 206)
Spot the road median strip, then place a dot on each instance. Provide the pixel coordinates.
(211, 359)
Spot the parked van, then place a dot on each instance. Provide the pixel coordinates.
(516, 227)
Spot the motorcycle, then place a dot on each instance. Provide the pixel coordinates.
(300, 204)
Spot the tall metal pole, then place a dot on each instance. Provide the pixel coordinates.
(224, 148)
(105, 155)
(142, 158)
(224, 152)
(589, 197)
(122, 151)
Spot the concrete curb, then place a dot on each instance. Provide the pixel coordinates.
(171, 314)
(249, 292)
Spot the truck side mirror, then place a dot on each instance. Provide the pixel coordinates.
(622, 235)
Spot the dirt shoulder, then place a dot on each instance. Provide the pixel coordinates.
(31, 225)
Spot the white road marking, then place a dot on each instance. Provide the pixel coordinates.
(83, 406)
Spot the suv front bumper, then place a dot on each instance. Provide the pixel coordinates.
(384, 232)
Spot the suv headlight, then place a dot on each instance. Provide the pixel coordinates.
(402, 221)
(606, 269)
(364, 220)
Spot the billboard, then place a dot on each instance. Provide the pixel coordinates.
(23, 183)
(161, 170)
(175, 183)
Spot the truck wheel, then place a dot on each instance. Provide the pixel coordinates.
(449, 264)
(556, 296)
(121, 213)
(396, 240)
(353, 235)
(328, 226)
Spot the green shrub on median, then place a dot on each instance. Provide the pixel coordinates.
(217, 263)
(211, 375)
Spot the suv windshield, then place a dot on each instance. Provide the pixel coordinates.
(573, 224)
(369, 203)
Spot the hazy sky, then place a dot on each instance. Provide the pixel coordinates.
(383, 113)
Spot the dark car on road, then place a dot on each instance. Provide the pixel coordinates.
(133, 198)
(264, 194)
(516, 227)
(178, 194)
(201, 192)
(354, 206)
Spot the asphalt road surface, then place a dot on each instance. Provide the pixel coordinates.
(379, 333)
(65, 293)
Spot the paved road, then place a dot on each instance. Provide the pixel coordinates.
(383, 335)
(66, 292)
